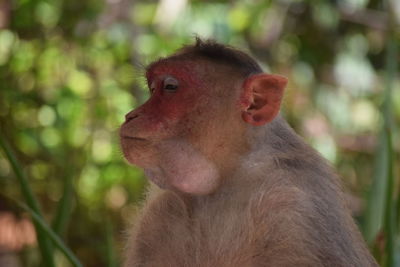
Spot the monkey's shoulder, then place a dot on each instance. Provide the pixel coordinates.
(253, 231)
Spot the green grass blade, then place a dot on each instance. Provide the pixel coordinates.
(374, 215)
(45, 245)
(53, 236)
(110, 246)
(390, 211)
(64, 206)
(389, 226)
(382, 210)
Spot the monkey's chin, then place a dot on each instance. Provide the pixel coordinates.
(141, 162)
(139, 158)
(138, 151)
(174, 164)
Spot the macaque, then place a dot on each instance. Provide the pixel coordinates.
(232, 185)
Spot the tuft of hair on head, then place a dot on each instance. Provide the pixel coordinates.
(219, 53)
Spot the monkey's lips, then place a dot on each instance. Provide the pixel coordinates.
(130, 142)
(133, 138)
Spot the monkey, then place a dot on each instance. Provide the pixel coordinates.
(231, 183)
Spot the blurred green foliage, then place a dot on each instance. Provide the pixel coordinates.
(70, 70)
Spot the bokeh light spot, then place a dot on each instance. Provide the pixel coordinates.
(46, 115)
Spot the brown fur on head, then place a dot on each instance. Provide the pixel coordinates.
(191, 130)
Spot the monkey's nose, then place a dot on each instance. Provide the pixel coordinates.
(130, 116)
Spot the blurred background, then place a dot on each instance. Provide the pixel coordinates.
(70, 70)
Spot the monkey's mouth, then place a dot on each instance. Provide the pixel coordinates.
(133, 138)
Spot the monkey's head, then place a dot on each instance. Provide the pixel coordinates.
(204, 100)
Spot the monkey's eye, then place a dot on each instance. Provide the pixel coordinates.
(152, 87)
(170, 84)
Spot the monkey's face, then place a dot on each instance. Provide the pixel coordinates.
(157, 119)
(183, 110)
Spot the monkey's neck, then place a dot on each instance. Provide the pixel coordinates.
(270, 145)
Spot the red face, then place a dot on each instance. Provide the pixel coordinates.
(190, 132)
(175, 95)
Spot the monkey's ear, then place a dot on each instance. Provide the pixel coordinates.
(261, 98)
